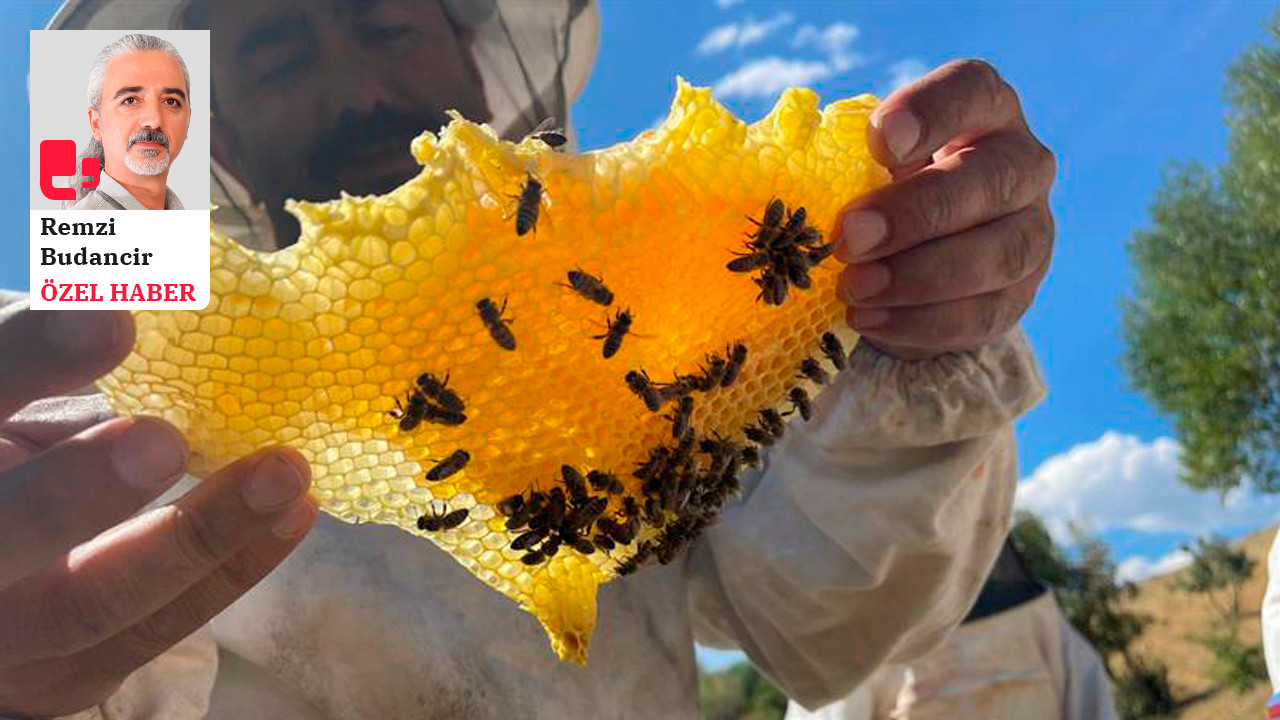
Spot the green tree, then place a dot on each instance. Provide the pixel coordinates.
(1218, 569)
(1203, 328)
(740, 692)
(1046, 561)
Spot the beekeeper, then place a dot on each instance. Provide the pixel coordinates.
(864, 540)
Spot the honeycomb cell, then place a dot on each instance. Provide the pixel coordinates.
(322, 345)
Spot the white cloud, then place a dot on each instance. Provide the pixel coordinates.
(769, 76)
(764, 77)
(1120, 482)
(740, 35)
(719, 38)
(906, 71)
(834, 40)
(1138, 568)
(726, 4)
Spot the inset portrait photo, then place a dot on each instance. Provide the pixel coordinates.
(120, 120)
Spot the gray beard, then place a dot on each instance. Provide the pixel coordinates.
(147, 165)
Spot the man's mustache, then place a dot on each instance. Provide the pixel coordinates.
(338, 149)
(151, 135)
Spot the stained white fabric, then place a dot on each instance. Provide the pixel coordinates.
(1026, 663)
(1271, 615)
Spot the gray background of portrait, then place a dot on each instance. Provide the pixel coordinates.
(56, 82)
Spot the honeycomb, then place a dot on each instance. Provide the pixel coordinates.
(376, 345)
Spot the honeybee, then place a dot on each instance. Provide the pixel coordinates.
(551, 546)
(800, 401)
(602, 481)
(653, 511)
(612, 530)
(633, 563)
(748, 262)
(713, 374)
(810, 368)
(576, 485)
(834, 351)
(527, 540)
(441, 416)
(590, 287)
(553, 137)
(817, 254)
(630, 508)
(533, 557)
(410, 417)
(555, 508)
(798, 271)
(528, 206)
(628, 529)
(680, 418)
(674, 539)
(617, 327)
(640, 384)
(582, 545)
(524, 511)
(603, 542)
(586, 513)
(439, 391)
(435, 520)
(750, 456)
(809, 236)
(720, 450)
(737, 358)
(511, 504)
(656, 461)
(758, 436)
(491, 316)
(449, 465)
(773, 287)
(729, 474)
(796, 222)
(773, 213)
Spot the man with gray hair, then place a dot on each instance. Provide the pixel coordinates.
(139, 113)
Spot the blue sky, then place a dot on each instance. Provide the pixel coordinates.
(1115, 89)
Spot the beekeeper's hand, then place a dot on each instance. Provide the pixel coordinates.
(949, 255)
(87, 593)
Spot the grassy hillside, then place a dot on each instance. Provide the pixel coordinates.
(1178, 616)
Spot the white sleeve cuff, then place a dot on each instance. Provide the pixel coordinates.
(885, 402)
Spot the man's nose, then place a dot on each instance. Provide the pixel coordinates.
(355, 84)
(150, 117)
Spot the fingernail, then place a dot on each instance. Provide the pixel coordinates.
(273, 483)
(860, 232)
(864, 281)
(294, 522)
(867, 318)
(81, 331)
(148, 454)
(901, 132)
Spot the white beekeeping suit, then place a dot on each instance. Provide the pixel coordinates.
(1016, 657)
(1271, 624)
(863, 540)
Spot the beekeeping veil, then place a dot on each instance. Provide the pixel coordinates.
(533, 58)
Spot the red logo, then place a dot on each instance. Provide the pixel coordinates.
(58, 159)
